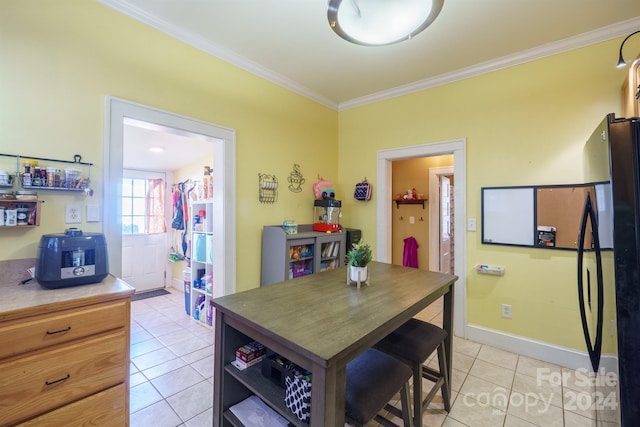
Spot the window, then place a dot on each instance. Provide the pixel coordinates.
(143, 206)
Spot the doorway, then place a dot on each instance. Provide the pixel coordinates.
(383, 210)
(441, 219)
(154, 157)
(223, 148)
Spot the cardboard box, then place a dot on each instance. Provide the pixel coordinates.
(298, 270)
(250, 351)
(241, 365)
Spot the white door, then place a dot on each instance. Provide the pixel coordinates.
(445, 225)
(144, 254)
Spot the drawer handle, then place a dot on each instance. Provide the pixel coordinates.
(67, 329)
(58, 380)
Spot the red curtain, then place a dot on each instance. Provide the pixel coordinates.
(155, 206)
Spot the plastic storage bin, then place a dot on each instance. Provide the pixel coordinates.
(187, 291)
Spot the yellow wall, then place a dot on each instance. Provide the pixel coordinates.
(59, 61)
(523, 125)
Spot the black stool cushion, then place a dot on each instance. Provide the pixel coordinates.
(415, 340)
(373, 378)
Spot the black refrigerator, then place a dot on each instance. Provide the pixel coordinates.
(609, 267)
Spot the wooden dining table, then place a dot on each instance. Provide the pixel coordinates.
(320, 323)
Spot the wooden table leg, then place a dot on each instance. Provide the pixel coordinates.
(328, 396)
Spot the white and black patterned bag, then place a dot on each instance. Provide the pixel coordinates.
(298, 397)
(362, 191)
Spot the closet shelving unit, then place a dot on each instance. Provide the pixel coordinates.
(201, 263)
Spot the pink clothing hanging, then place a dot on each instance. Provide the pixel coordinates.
(410, 258)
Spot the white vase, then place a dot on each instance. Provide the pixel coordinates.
(357, 274)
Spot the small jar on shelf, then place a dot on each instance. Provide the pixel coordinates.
(7, 195)
(27, 195)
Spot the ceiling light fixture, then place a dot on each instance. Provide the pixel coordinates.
(156, 149)
(381, 22)
(621, 62)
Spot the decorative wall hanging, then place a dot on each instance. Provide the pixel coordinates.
(267, 188)
(363, 190)
(295, 179)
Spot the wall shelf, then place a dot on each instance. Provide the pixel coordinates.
(81, 184)
(410, 202)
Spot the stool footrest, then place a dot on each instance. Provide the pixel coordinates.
(430, 374)
(393, 410)
(385, 422)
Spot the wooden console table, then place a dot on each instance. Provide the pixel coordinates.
(319, 323)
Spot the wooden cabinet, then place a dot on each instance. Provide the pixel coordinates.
(287, 256)
(105, 409)
(66, 363)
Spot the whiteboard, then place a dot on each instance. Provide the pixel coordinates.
(508, 216)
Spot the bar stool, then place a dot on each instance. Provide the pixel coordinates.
(412, 343)
(373, 378)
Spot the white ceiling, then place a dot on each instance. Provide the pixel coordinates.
(290, 43)
(179, 148)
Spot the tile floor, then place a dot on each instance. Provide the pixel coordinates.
(172, 377)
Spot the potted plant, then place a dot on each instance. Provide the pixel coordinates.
(357, 259)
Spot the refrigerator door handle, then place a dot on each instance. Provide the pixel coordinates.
(594, 348)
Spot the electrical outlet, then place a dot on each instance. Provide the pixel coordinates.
(506, 311)
(72, 214)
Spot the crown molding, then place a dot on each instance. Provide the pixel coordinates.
(582, 40)
(218, 51)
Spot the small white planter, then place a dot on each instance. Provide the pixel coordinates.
(358, 275)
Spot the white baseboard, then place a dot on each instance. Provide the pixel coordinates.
(563, 356)
(177, 284)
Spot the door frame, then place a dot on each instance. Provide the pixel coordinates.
(435, 214)
(384, 196)
(224, 171)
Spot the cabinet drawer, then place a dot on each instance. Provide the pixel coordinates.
(104, 409)
(39, 382)
(48, 329)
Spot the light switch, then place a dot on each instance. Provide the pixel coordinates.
(93, 213)
(412, 220)
(471, 224)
